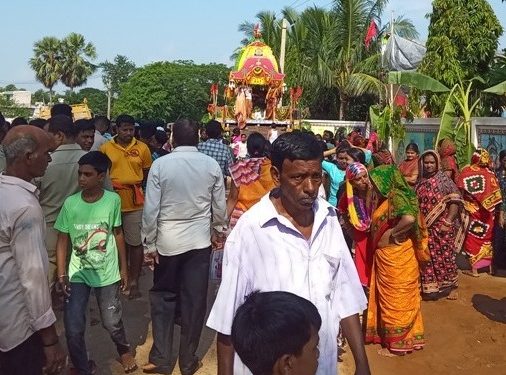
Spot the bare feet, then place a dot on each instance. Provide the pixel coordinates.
(128, 363)
(454, 295)
(473, 273)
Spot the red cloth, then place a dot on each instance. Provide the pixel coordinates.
(372, 32)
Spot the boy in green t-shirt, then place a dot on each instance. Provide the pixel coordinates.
(91, 221)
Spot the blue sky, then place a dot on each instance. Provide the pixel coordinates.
(151, 30)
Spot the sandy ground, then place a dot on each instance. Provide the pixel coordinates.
(464, 337)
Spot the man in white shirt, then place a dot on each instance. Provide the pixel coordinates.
(292, 241)
(28, 339)
(185, 192)
(243, 147)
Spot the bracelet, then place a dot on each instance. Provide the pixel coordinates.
(62, 276)
(52, 344)
(448, 223)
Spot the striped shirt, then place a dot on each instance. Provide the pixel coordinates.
(265, 252)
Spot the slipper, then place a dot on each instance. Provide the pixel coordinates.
(133, 365)
(150, 368)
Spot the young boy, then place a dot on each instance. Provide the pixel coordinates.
(276, 333)
(91, 221)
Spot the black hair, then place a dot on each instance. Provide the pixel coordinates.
(236, 131)
(102, 122)
(61, 109)
(19, 121)
(356, 154)
(161, 137)
(272, 324)
(413, 147)
(83, 125)
(99, 161)
(256, 145)
(124, 119)
(38, 122)
(502, 154)
(185, 132)
(62, 123)
(147, 130)
(295, 146)
(213, 129)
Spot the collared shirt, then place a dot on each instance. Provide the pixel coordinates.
(98, 141)
(183, 189)
(128, 165)
(336, 176)
(60, 180)
(219, 152)
(24, 292)
(265, 252)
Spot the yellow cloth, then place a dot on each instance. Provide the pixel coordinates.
(128, 165)
(394, 317)
(251, 194)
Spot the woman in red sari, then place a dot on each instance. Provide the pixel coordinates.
(447, 150)
(409, 167)
(354, 208)
(440, 201)
(482, 201)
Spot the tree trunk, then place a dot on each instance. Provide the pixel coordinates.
(343, 106)
(50, 95)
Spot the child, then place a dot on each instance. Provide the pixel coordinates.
(91, 221)
(277, 333)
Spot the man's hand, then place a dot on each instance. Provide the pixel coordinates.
(64, 284)
(217, 240)
(124, 280)
(55, 359)
(150, 259)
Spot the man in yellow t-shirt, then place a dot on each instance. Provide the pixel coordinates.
(131, 160)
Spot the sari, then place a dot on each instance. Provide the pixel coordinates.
(447, 151)
(482, 196)
(409, 170)
(435, 195)
(500, 233)
(394, 317)
(253, 180)
(357, 212)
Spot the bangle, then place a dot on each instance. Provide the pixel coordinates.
(52, 344)
(62, 276)
(448, 223)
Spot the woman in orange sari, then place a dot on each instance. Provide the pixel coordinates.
(409, 167)
(251, 179)
(399, 241)
(447, 150)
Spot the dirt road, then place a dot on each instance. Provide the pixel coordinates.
(464, 337)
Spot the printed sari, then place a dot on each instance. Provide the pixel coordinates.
(482, 196)
(447, 151)
(394, 317)
(435, 195)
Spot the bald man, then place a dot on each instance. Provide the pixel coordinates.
(28, 339)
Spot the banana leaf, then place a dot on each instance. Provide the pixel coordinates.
(416, 80)
(499, 89)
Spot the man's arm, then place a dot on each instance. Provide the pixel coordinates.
(151, 211)
(353, 333)
(218, 203)
(233, 197)
(123, 265)
(225, 355)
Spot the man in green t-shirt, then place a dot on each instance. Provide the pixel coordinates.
(91, 221)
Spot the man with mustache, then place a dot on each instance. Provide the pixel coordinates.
(292, 241)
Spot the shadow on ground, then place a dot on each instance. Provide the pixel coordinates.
(494, 309)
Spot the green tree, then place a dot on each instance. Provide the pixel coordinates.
(170, 90)
(46, 62)
(76, 57)
(463, 39)
(95, 98)
(115, 73)
(41, 96)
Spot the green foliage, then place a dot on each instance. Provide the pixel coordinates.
(41, 96)
(463, 38)
(46, 61)
(115, 73)
(10, 110)
(170, 90)
(95, 98)
(388, 122)
(416, 80)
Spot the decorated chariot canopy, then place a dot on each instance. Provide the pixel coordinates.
(256, 65)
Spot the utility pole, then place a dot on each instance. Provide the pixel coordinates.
(284, 26)
(109, 95)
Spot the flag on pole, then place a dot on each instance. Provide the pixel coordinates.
(372, 32)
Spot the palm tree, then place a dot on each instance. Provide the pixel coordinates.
(46, 62)
(76, 64)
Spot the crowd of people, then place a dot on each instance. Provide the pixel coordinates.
(325, 240)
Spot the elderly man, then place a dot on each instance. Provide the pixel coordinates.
(185, 193)
(292, 241)
(28, 339)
